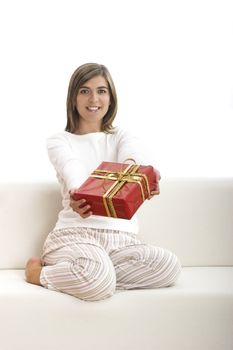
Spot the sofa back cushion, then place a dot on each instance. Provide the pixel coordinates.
(28, 213)
(194, 218)
(191, 217)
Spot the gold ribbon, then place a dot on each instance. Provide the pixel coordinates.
(129, 174)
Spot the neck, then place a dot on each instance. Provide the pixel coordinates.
(87, 128)
(83, 131)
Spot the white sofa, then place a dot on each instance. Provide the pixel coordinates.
(191, 217)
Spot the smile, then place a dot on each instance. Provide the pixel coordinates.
(93, 109)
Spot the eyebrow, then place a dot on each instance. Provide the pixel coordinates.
(98, 87)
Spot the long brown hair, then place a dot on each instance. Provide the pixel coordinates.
(80, 76)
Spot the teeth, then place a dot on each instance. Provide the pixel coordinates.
(93, 108)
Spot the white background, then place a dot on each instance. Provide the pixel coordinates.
(172, 63)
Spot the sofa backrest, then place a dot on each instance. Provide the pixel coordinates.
(28, 213)
(194, 218)
(191, 217)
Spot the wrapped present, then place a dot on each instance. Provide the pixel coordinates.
(117, 189)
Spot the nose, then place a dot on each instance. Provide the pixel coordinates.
(93, 97)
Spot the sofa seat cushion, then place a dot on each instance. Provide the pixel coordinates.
(215, 280)
(196, 313)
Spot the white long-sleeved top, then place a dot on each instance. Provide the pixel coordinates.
(74, 157)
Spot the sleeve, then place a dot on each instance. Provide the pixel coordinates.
(68, 166)
(130, 147)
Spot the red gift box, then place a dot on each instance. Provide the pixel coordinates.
(117, 189)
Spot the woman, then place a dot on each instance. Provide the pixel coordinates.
(91, 256)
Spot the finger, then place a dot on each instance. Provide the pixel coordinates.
(80, 206)
(72, 191)
(157, 188)
(77, 205)
(80, 203)
(84, 210)
(86, 215)
(157, 175)
(154, 193)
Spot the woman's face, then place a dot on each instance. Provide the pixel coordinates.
(92, 103)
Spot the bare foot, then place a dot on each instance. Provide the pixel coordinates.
(33, 270)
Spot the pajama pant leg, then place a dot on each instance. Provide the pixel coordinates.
(84, 271)
(90, 264)
(144, 266)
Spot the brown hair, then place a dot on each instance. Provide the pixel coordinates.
(80, 76)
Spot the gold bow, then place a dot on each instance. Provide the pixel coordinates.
(120, 178)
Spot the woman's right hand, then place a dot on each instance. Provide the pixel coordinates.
(79, 206)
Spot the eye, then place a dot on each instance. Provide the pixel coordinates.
(102, 91)
(83, 91)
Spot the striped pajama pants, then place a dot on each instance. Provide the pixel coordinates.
(91, 264)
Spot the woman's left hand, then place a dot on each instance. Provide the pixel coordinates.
(156, 190)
